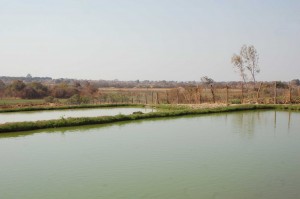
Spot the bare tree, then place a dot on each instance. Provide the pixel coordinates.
(206, 80)
(250, 58)
(238, 64)
(209, 81)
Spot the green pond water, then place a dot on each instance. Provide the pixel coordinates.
(57, 114)
(239, 155)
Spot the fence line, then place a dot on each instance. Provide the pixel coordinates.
(265, 93)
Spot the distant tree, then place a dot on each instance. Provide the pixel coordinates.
(294, 82)
(88, 89)
(207, 80)
(35, 90)
(63, 90)
(2, 88)
(76, 84)
(250, 59)
(28, 76)
(15, 89)
(282, 85)
(239, 65)
(2, 85)
(17, 85)
(29, 93)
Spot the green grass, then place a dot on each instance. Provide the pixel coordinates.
(68, 107)
(20, 101)
(169, 111)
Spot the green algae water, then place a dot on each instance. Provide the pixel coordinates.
(249, 155)
(57, 114)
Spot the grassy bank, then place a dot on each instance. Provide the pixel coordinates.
(20, 101)
(48, 108)
(166, 111)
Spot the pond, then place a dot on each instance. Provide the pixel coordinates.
(249, 155)
(57, 114)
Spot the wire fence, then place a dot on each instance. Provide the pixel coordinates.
(262, 93)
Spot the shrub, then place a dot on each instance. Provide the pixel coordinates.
(77, 99)
(51, 99)
(236, 101)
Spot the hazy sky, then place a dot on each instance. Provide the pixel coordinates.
(147, 39)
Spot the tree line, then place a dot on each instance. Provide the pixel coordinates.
(38, 90)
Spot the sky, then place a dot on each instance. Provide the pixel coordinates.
(179, 40)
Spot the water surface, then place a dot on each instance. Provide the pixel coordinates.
(57, 114)
(249, 155)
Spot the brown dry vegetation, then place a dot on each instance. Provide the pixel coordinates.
(78, 93)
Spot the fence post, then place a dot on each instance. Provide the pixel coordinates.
(275, 92)
(146, 100)
(199, 96)
(177, 92)
(227, 95)
(290, 93)
(167, 95)
(213, 94)
(257, 95)
(152, 97)
(242, 93)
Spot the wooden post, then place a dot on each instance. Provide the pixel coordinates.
(275, 92)
(290, 93)
(242, 93)
(152, 97)
(157, 98)
(257, 95)
(212, 93)
(177, 92)
(227, 95)
(167, 96)
(146, 100)
(139, 98)
(200, 97)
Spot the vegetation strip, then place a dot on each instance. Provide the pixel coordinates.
(169, 111)
(49, 108)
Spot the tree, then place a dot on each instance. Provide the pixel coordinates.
(238, 64)
(2, 88)
(247, 60)
(250, 58)
(294, 82)
(2, 84)
(18, 85)
(209, 81)
(16, 88)
(28, 76)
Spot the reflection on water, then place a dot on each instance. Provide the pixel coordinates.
(246, 123)
(251, 154)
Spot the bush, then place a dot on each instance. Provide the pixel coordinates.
(236, 101)
(51, 99)
(77, 99)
